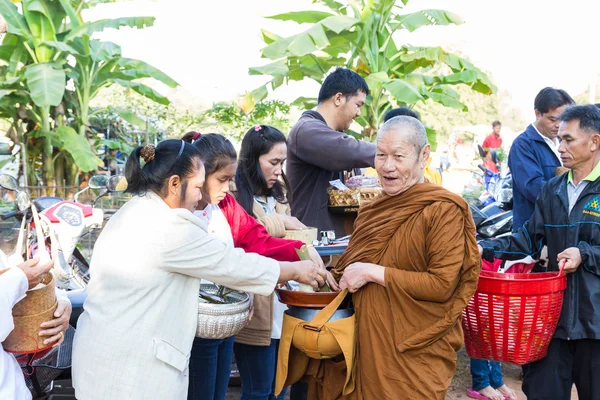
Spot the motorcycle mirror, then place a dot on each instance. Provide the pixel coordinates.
(494, 156)
(482, 152)
(117, 183)
(99, 182)
(23, 201)
(8, 182)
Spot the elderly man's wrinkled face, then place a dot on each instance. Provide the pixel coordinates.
(398, 162)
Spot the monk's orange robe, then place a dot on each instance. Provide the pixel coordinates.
(409, 330)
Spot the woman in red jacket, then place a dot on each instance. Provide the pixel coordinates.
(210, 361)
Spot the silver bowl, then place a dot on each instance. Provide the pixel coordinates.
(220, 321)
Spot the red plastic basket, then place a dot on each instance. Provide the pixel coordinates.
(512, 317)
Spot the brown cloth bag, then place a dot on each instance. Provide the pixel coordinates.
(305, 344)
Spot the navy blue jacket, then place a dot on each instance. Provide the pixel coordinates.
(552, 225)
(532, 163)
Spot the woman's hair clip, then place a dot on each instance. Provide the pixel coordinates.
(196, 136)
(148, 152)
(257, 128)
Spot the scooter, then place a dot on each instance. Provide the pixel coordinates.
(61, 225)
(496, 217)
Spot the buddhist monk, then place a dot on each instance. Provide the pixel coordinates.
(413, 265)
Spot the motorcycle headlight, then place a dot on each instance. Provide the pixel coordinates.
(492, 230)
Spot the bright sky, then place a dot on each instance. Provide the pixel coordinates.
(208, 46)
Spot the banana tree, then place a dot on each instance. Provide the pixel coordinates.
(361, 35)
(54, 63)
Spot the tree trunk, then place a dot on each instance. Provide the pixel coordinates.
(48, 167)
(71, 177)
(59, 171)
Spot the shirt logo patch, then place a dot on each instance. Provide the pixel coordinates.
(592, 207)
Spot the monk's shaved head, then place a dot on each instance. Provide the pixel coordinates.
(410, 128)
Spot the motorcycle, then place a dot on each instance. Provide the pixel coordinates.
(61, 225)
(492, 212)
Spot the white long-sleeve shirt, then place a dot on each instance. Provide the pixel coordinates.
(13, 285)
(134, 339)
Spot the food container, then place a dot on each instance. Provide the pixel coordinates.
(36, 307)
(356, 191)
(220, 321)
(307, 235)
(307, 314)
(341, 198)
(305, 299)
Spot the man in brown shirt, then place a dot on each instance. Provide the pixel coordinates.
(319, 150)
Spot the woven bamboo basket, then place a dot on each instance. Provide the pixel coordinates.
(307, 235)
(38, 306)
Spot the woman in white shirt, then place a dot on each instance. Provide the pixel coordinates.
(210, 362)
(134, 338)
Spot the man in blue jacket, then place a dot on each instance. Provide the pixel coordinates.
(533, 156)
(566, 218)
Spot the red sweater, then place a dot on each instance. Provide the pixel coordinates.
(252, 237)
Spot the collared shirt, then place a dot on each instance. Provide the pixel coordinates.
(217, 226)
(268, 204)
(553, 144)
(573, 191)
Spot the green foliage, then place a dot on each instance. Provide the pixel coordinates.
(360, 35)
(231, 120)
(130, 111)
(46, 84)
(51, 69)
(79, 148)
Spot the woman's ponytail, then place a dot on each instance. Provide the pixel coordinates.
(137, 182)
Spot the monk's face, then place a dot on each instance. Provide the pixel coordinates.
(398, 162)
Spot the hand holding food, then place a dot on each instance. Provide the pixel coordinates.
(35, 271)
(310, 274)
